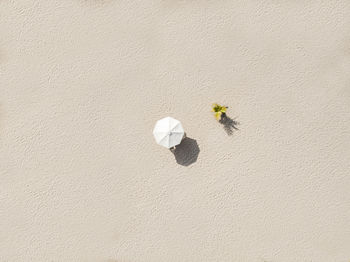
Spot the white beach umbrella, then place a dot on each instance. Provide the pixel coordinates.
(168, 132)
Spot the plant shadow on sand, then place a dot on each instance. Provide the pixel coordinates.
(230, 125)
(187, 152)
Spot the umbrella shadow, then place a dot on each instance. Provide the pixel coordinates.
(187, 152)
(229, 124)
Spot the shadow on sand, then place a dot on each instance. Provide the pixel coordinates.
(187, 152)
(230, 125)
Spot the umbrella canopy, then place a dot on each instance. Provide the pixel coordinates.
(168, 132)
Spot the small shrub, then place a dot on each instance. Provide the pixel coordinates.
(219, 111)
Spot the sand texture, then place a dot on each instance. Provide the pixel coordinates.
(82, 83)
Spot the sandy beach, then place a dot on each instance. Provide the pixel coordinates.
(82, 84)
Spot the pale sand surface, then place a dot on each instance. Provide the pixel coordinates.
(82, 83)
